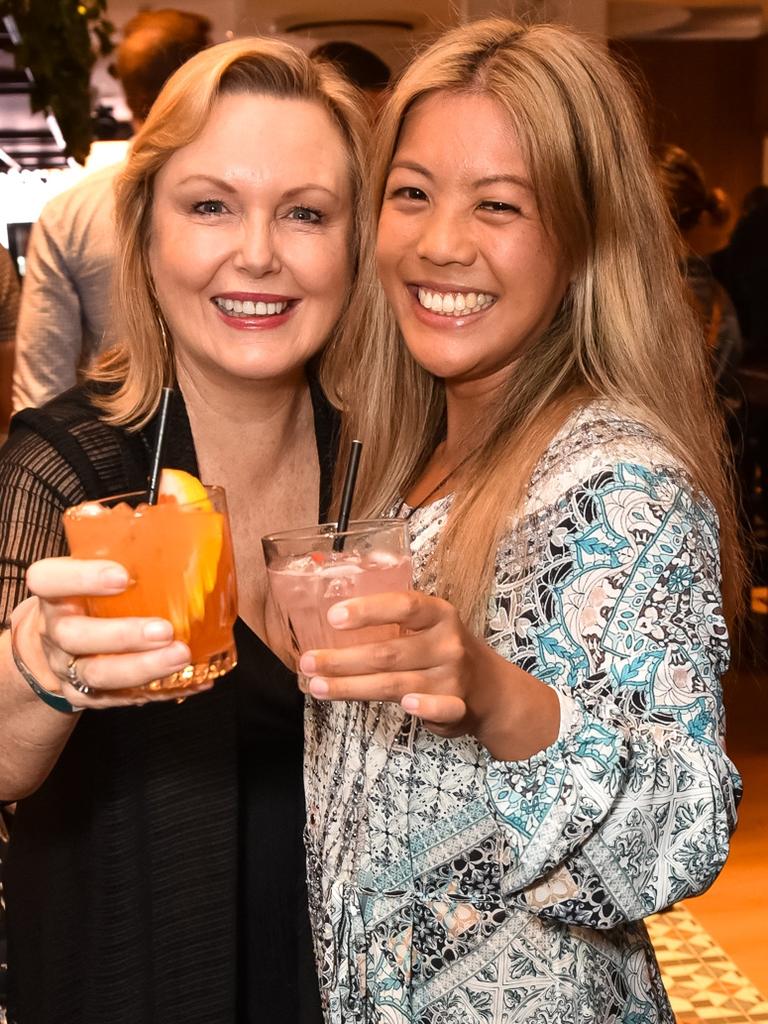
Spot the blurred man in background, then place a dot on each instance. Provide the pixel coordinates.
(362, 67)
(64, 318)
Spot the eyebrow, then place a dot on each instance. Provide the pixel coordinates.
(509, 179)
(491, 179)
(309, 187)
(227, 187)
(210, 179)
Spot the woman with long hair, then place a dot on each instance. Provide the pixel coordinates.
(500, 795)
(155, 870)
(697, 210)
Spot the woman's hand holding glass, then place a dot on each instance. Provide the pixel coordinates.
(53, 632)
(438, 670)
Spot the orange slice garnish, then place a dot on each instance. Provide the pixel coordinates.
(208, 536)
(185, 488)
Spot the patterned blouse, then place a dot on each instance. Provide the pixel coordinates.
(450, 888)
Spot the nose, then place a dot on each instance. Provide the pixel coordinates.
(256, 253)
(446, 238)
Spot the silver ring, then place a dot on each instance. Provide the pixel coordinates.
(74, 679)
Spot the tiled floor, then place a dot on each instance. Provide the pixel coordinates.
(703, 982)
(713, 950)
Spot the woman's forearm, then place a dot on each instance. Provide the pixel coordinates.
(33, 734)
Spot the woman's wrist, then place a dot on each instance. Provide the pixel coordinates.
(33, 734)
(27, 648)
(516, 715)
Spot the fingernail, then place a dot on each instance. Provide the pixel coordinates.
(158, 629)
(410, 703)
(308, 664)
(319, 687)
(338, 614)
(115, 578)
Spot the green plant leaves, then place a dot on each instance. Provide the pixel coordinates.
(60, 42)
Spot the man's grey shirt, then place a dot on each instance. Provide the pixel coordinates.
(65, 304)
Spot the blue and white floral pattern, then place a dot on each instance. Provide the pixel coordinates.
(450, 888)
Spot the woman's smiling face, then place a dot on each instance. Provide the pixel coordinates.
(250, 238)
(471, 273)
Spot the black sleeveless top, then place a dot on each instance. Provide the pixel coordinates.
(157, 876)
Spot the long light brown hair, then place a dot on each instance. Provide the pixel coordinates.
(144, 361)
(625, 331)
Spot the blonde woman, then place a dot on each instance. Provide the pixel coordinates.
(497, 798)
(155, 870)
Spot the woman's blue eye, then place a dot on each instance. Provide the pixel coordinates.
(306, 214)
(209, 207)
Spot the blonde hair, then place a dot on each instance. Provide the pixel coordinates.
(624, 332)
(143, 361)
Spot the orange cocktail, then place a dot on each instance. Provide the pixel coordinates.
(179, 557)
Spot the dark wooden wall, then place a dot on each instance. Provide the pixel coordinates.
(711, 98)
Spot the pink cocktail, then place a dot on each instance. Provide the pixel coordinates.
(307, 577)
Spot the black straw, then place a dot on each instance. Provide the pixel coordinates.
(350, 478)
(157, 457)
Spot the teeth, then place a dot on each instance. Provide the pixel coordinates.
(247, 308)
(455, 303)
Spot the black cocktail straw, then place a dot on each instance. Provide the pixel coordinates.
(350, 478)
(157, 457)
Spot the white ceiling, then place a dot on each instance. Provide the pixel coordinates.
(622, 17)
(640, 18)
(393, 29)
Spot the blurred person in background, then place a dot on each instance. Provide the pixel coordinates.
(9, 309)
(361, 66)
(64, 320)
(742, 268)
(755, 198)
(696, 209)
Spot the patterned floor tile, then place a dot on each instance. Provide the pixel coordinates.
(703, 983)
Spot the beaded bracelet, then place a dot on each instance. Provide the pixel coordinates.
(53, 700)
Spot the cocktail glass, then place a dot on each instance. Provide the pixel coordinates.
(307, 576)
(179, 558)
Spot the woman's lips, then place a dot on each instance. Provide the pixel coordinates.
(453, 307)
(247, 311)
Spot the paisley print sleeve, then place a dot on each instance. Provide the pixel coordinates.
(631, 809)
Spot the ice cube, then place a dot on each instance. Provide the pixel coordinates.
(299, 566)
(340, 587)
(382, 560)
(341, 569)
(91, 509)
